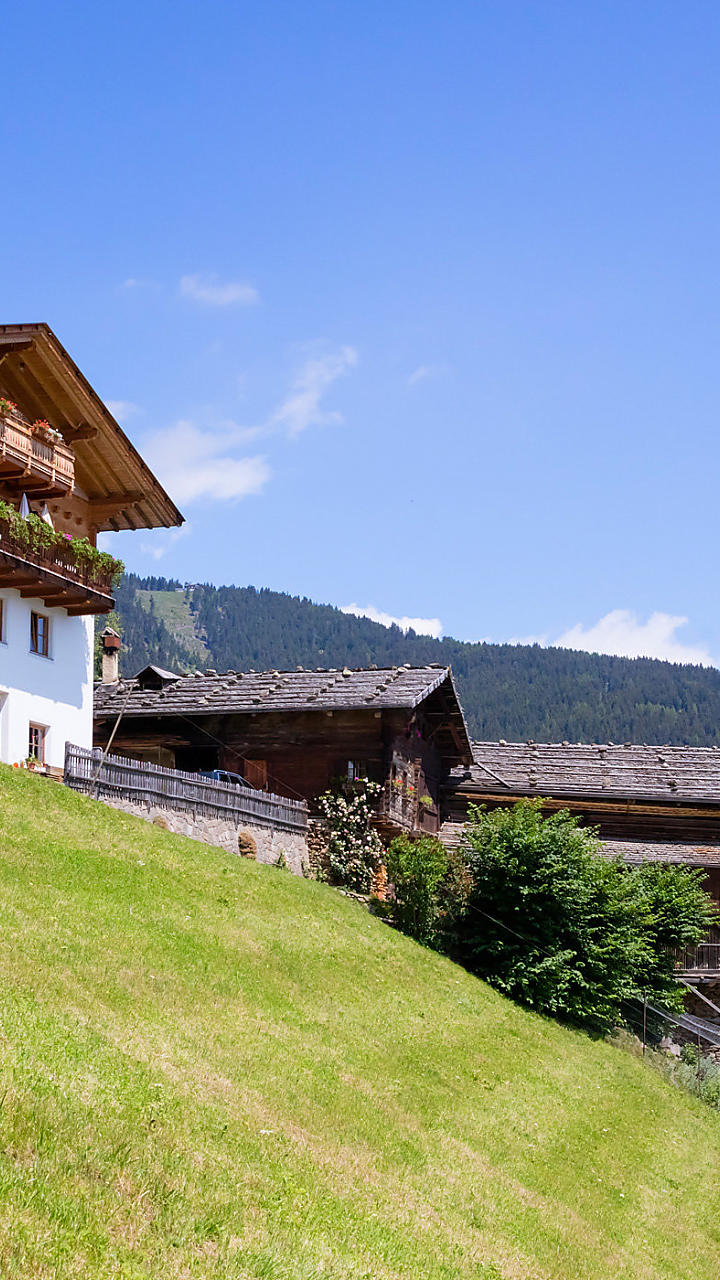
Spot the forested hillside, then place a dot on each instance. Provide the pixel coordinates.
(508, 691)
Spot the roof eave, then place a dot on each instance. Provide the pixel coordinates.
(154, 508)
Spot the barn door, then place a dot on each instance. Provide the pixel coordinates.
(255, 773)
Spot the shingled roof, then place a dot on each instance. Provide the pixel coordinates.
(592, 769)
(261, 691)
(681, 852)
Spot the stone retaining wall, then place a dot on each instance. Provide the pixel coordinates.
(270, 846)
(317, 838)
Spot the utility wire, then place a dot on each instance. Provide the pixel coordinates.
(220, 743)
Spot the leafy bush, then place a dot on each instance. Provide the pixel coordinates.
(354, 850)
(565, 930)
(38, 536)
(416, 869)
(678, 914)
(695, 1073)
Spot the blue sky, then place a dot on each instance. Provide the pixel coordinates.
(412, 306)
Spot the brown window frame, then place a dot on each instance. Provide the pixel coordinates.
(40, 635)
(357, 770)
(41, 731)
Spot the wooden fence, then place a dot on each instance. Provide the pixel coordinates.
(118, 778)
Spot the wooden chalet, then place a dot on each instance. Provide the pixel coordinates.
(294, 732)
(62, 449)
(67, 472)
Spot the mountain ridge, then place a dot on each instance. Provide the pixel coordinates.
(516, 692)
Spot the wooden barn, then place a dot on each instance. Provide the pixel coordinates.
(659, 803)
(295, 731)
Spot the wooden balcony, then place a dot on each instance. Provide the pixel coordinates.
(702, 961)
(400, 809)
(53, 575)
(31, 464)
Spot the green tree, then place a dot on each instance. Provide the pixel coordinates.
(563, 929)
(508, 691)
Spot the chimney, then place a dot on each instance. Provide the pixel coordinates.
(110, 656)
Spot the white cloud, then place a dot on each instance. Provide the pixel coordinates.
(164, 540)
(423, 626)
(206, 287)
(422, 372)
(123, 409)
(220, 478)
(621, 632)
(195, 464)
(140, 282)
(301, 408)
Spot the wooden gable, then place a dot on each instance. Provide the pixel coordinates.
(37, 373)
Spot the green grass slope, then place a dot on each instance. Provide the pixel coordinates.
(210, 1068)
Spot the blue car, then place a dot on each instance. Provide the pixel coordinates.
(223, 775)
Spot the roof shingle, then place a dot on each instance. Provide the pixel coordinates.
(592, 769)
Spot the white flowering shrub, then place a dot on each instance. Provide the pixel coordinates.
(354, 849)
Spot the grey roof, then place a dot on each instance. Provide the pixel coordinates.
(159, 672)
(592, 769)
(680, 851)
(252, 691)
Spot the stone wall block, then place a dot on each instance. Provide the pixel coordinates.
(269, 845)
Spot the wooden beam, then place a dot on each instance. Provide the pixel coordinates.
(53, 599)
(9, 346)
(82, 432)
(76, 611)
(15, 580)
(114, 502)
(35, 589)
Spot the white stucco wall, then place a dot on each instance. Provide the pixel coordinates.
(56, 692)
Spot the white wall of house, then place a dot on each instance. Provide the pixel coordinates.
(55, 692)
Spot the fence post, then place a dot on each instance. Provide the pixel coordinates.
(644, 1022)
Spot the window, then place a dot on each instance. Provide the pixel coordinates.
(36, 743)
(40, 634)
(357, 769)
(2, 621)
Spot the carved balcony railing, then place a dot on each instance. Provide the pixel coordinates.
(401, 807)
(52, 573)
(31, 462)
(398, 807)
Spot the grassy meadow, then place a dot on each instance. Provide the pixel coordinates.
(213, 1069)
